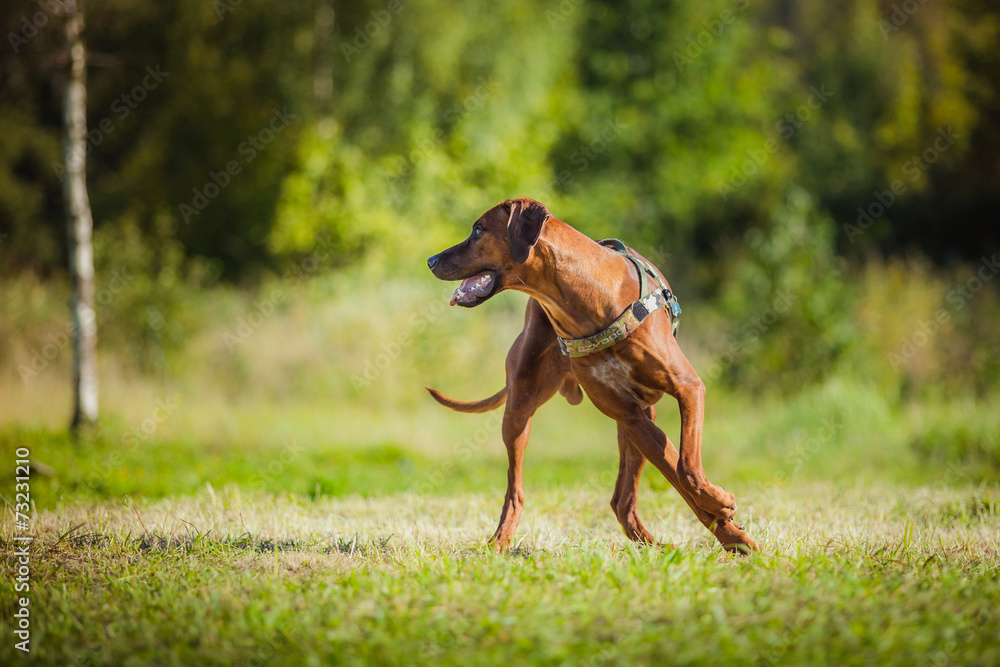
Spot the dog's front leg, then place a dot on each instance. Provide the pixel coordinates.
(690, 395)
(516, 429)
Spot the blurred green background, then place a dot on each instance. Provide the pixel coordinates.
(819, 182)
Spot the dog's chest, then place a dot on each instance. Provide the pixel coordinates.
(618, 377)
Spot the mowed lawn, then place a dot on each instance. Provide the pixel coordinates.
(269, 538)
(849, 574)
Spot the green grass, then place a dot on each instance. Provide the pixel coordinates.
(364, 542)
(327, 534)
(840, 430)
(279, 514)
(879, 576)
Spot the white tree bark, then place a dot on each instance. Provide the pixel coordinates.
(79, 222)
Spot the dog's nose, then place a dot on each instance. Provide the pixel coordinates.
(432, 261)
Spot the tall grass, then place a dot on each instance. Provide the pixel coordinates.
(335, 362)
(270, 484)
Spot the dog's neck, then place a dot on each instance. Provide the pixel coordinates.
(582, 291)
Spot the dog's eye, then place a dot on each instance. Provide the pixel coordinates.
(477, 232)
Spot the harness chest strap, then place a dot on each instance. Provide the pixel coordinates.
(634, 315)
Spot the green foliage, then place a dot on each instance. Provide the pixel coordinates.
(923, 332)
(452, 135)
(793, 303)
(235, 578)
(27, 148)
(672, 77)
(345, 383)
(676, 124)
(147, 296)
(730, 141)
(963, 437)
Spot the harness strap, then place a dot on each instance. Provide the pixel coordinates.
(642, 266)
(634, 315)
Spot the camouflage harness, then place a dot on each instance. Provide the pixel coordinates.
(634, 315)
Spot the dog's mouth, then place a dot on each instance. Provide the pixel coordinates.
(475, 289)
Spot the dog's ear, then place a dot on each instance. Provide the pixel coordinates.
(524, 226)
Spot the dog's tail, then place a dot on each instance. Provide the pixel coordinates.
(485, 405)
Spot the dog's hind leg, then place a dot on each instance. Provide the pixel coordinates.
(649, 442)
(689, 390)
(731, 536)
(666, 458)
(625, 499)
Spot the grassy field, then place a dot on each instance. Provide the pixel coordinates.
(869, 575)
(256, 504)
(175, 549)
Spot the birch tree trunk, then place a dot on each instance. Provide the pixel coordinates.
(79, 223)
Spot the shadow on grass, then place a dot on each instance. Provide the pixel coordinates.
(152, 542)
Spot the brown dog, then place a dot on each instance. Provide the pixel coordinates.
(577, 288)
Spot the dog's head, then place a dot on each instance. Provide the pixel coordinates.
(487, 262)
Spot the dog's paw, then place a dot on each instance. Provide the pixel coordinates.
(733, 538)
(715, 500)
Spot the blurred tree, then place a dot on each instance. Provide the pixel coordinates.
(698, 89)
(679, 125)
(422, 133)
(176, 93)
(79, 222)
